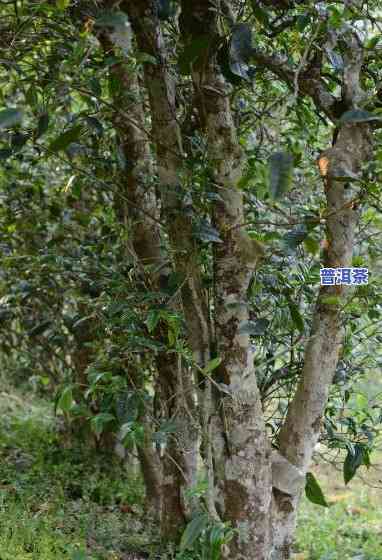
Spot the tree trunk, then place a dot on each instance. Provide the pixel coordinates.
(137, 209)
(239, 436)
(301, 429)
(177, 385)
(339, 165)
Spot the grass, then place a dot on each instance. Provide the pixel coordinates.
(73, 504)
(351, 528)
(57, 503)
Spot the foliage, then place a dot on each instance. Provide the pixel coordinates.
(80, 324)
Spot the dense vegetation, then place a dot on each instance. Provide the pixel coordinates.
(173, 176)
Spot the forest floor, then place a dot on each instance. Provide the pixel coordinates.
(67, 504)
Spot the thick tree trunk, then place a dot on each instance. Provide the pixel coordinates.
(256, 490)
(243, 469)
(240, 444)
(177, 382)
(339, 166)
(301, 429)
(137, 208)
(151, 469)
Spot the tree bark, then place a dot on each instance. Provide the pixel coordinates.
(137, 209)
(177, 382)
(239, 437)
(339, 166)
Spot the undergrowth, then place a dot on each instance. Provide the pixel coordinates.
(76, 504)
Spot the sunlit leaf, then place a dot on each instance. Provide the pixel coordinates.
(373, 42)
(311, 245)
(213, 364)
(62, 4)
(331, 300)
(65, 402)
(152, 320)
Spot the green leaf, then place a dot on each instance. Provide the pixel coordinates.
(111, 19)
(95, 125)
(302, 22)
(5, 153)
(213, 364)
(296, 316)
(217, 535)
(62, 4)
(313, 491)
(31, 96)
(331, 300)
(42, 125)
(78, 555)
(144, 57)
(207, 233)
(373, 42)
(152, 320)
(165, 9)
(255, 328)
(97, 376)
(260, 14)
(143, 342)
(99, 422)
(10, 118)
(40, 328)
(65, 139)
(125, 430)
(65, 402)
(193, 530)
(192, 52)
(95, 86)
(280, 167)
(311, 245)
(295, 236)
(358, 116)
(354, 459)
(240, 50)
